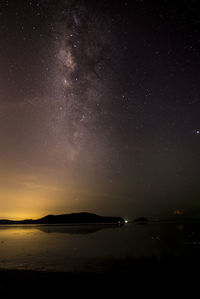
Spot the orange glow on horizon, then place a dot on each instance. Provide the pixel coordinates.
(178, 212)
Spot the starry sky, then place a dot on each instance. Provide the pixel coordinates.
(99, 107)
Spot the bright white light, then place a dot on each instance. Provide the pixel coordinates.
(197, 132)
(126, 221)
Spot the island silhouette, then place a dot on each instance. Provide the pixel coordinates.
(73, 218)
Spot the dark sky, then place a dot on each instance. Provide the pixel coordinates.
(99, 107)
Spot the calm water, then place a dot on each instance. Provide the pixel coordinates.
(82, 248)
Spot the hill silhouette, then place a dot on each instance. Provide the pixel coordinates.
(83, 217)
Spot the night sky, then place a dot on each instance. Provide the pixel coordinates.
(99, 108)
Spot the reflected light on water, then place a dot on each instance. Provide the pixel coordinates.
(72, 247)
(16, 230)
(180, 227)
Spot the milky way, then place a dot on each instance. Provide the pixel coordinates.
(84, 52)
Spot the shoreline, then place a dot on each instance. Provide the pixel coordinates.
(143, 276)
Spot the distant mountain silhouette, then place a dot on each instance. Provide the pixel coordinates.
(67, 218)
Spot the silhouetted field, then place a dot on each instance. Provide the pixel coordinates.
(169, 275)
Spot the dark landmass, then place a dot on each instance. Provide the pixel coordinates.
(119, 277)
(67, 219)
(141, 219)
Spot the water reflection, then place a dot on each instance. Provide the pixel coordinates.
(83, 229)
(66, 248)
(73, 229)
(180, 227)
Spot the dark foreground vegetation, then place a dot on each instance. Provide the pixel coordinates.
(119, 278)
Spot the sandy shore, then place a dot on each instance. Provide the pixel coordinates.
(120, 278)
